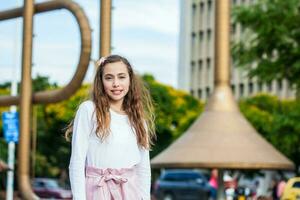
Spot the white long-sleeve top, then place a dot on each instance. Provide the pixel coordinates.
(119, 150)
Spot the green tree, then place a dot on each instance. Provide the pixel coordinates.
(53, 151)
(5, 85)
(40, 83)
(271, 40)
(277, 121)
(175, 110)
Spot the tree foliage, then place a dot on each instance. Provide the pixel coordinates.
(271, 40)
(175, 110)
(53, 150)
(277, 121)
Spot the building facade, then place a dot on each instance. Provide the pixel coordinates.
(196, 54)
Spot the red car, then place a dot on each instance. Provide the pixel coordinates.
(49, 188)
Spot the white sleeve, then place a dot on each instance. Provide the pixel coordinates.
(144, 174)
(80, 138)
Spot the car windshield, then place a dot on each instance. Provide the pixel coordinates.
(296, 185)
(181, 177)
(51, 184)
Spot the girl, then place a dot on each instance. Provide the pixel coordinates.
(112, 135)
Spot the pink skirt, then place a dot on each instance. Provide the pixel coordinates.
(112, 184)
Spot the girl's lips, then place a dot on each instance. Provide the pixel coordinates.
(116, 92)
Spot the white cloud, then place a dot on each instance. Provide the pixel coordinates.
(161, 16)
(156, 56)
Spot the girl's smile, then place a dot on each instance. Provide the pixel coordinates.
(116, 81)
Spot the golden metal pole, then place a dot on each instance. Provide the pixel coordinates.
(222, 37)
(222, 98)
(105, 28)
(25, 104)
(222, 70)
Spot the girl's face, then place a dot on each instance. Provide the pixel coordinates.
(116, 81)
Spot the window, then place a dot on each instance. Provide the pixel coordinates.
(200, 68)
(208, 41)
(201, 7)
(201, 20)
(208, 70)
(193, 45)
(200, 65)
(279, 84)
(260, 85)
(194, 7)
(209, 12)
(199, 93)
(250, 88)
(241, 89)
(207, 91)
(233, 88)
(193, 15)
(192, 63)
(192, 92)
(269, 85)
(200, 38)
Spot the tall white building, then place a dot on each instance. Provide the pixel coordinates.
(196, 54)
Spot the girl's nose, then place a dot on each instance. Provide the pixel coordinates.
(115, 83)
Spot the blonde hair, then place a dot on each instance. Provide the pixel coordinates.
(137, 104)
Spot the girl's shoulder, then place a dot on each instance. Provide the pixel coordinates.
(87, 105)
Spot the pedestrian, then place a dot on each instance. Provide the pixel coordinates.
(280, 187)
(213, 182)
(111, 136)
(274, 189)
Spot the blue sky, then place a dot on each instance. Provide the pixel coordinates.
(144, 31)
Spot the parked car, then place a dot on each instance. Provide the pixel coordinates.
(292, 189)
(181, 184)
(49, 188)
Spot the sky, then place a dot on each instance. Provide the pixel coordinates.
(144, 31)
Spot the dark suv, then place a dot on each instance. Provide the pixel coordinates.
(181, 184)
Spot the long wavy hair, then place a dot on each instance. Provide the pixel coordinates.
(137, 105)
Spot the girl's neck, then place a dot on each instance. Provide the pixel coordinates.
(117, 107)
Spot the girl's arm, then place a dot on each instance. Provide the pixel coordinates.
(80, 138)
(144, 174)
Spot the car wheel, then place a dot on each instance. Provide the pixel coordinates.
(168, 197)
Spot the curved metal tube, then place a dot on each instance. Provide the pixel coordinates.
(85, 33)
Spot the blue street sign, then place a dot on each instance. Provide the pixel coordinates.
(11, 126)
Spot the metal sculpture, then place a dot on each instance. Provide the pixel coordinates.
(26, 98)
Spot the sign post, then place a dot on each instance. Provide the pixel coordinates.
(11, 135)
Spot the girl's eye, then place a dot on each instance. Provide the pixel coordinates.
(122, 77)
(108, 78)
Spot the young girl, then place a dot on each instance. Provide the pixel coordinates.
(112, 135)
